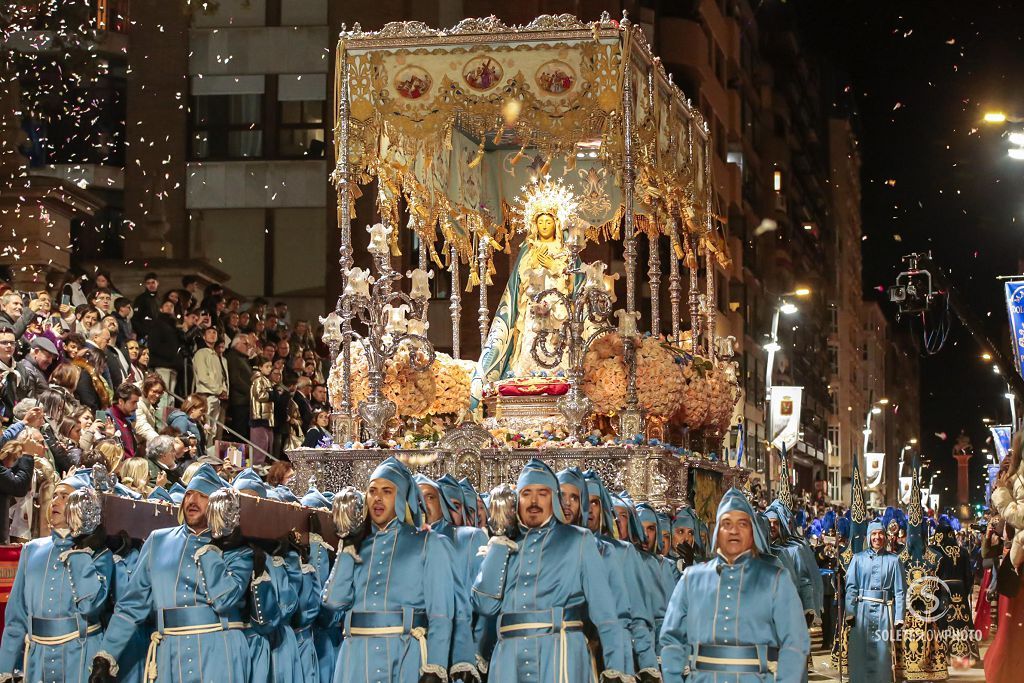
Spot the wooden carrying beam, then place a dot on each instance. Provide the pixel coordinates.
(261, 519)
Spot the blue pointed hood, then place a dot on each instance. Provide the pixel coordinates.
(469, 497)
(636, 532)
(454, 493)
(734, 500)
(161, 495)
(248, 480)
(315, 499)
(574, 477)
(206, 480)
(596, 487)
(537, 473)
(446, 505)
(407, 500)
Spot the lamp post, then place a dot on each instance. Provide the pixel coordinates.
(782, 307)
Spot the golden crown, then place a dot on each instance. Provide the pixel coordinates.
(545, 195)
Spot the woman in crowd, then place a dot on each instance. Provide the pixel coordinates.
(134, 474)
(189, 420)
(1004, 660)
(147, 420)
(261, 406)
(280, 474)
(111, 451)
(318, 433)
(86, 317)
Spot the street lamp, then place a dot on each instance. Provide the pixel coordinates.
(995, 117)
(782, 307)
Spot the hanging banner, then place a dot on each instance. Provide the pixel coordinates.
(905, 484)
(1001, 438)
(1015, 310)
(993, 472)
(933, 501)
(785, 413)
(873, 463)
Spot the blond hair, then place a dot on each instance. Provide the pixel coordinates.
(189, 472)
(111, 451)
(135, 474)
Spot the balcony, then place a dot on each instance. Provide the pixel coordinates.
(257, 184)
(84, 176)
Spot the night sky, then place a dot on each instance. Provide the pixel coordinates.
(919, 77)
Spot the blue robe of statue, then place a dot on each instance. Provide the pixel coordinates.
(403, 584)
(542, 592)
(59, 594)
(874, 597)
(196, 595)
(721, 611)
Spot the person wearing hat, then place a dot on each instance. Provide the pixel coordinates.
(663, 577)
(575, 500)
(394, 585)
(55, 610)
(192, 580)
(472, 503)
(32, 368)
(874, 602)
(783, 542)
(827, 557)
(631, 529)
(686, 542)
(737, 616)
(543, 586)
(464, 543)
(601, 521)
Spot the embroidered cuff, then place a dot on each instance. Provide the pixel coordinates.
(505, 541)
(351, 550)
(481, 664)
(650, 672)
(613, 675)
(109, 659)
(262, 578)
(277, 560)
(63, 557)
(435, 669)
(6, 678)
(208, 548)
(317, 538)
(465, 667)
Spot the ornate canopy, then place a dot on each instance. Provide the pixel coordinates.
(455, 122)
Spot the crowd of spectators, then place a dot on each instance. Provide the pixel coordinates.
(149, 386)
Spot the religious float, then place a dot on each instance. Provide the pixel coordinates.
(529, 144)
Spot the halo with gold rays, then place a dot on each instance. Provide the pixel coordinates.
(545, 195)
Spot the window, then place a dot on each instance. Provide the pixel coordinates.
(301, 129)
(833, 313)
(833, 359)
(227, 126)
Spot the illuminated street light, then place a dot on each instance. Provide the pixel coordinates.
(913, 441)
(883, 401)
(876, 410)
(788, 308)
(802, 291)
(772, 347)
(1016, 153)
(1017, 139)
(986, 356)
(995, 117)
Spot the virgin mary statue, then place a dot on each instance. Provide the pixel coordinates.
(506, 360)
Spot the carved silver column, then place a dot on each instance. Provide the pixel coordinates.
(675, 286)
(654, 273)
(692, 245)
(344, 422)
(631, 420)
(456, 300)
(483, 315)
(710, 258)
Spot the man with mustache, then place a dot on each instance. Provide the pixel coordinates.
(394, 584)
(601, 521)
(542, 586)
(735, 617)
(193, 585)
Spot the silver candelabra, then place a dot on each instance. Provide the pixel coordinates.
(374, 305)
(587, 304)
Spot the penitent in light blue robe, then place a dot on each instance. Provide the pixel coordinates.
(466, 542)
(403, 573)
(326, 631)
(55, 582)
(556, 570)
(871, 577)
(169, 576)
(749, 602)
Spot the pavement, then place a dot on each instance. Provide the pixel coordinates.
(823, 670)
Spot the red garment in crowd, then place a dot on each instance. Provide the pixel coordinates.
(1004, 660)
(983, 608)
(9, 555)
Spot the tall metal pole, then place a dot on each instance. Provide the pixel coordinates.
(456, 302)
(345, 426)
(654, 273)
